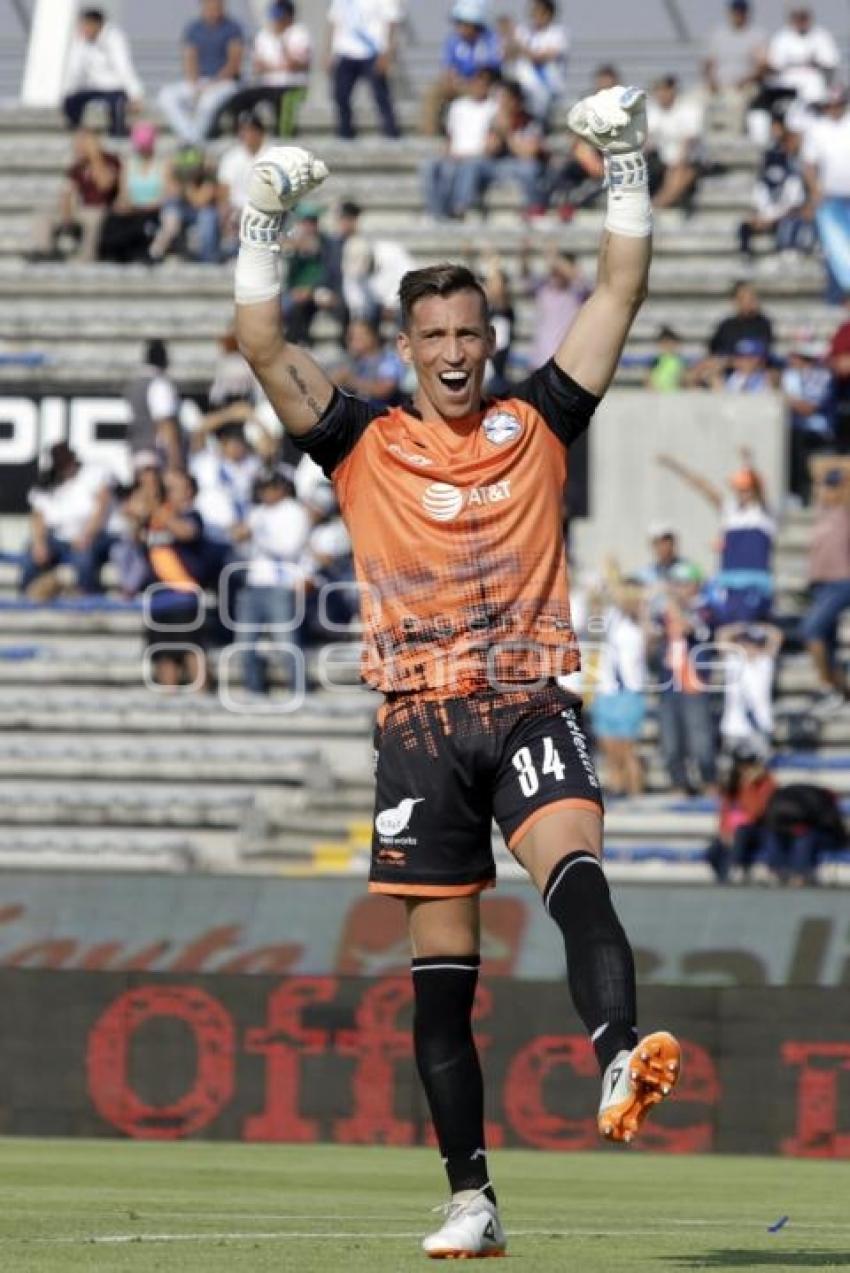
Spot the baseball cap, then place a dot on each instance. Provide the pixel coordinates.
(143, 135)
(742, 5)
(281, 9)
(833, 477)
(661, 530)
(743, 480)
(750, 348)
(473, 11)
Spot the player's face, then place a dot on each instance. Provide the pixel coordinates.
(448, 345)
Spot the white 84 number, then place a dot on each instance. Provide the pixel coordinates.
(523, 763)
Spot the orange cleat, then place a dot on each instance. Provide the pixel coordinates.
(635, 1081)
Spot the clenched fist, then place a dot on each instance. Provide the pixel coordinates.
(614, 121)
(281, 176)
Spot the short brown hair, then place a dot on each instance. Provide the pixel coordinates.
(437, 280)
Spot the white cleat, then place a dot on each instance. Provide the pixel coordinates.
(635, 1081)
(471, 1230)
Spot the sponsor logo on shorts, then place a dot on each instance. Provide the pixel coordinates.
(391, 822)
(580, 744)
(445, 502)
(501, 427)
(392, 857)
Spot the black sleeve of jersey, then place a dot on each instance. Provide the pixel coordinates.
(563, 404)
(339, 430)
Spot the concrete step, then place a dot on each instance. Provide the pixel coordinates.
(98, 848)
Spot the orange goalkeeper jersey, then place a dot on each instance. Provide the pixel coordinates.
(457, 534)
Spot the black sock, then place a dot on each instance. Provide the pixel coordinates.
(448, 1065)
(599, 958)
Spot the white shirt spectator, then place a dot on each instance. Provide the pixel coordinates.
(748, 701)
(68, 507)
(279, 49)
(279, 535)
(735, 53)
(102, 65)
(802, 60)
(622, 664)
(827, 148)
(468, 126)
(234, 172)
(361, 28)
(224, 489)
(672, 132)
(542, 82)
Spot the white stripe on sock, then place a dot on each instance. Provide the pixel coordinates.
(440, 967)
(597, 1034)
(585, 857)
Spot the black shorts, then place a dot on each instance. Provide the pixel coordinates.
(445, 768)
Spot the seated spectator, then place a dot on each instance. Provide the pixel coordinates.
(127, 552)
(99, 68)
(673, 144)
(737, 52)
(362, 40)
(452, 181)
(839, 364)
(559, 294)
(88, 191)
(748, 322)
(234, 174)
(332, 597)
(802, 58)
(745, 794)
(132, 223)
(370, 276)
(70, 508)
(664, 544)
(271, 600)
(536, 57)
(515, 151)
(577, 177)
(667, 373)
(749, 672)
(802, 822)
(469, 46)
(281, 58)
(189, 220)
(225, 470)
(213, 47)
(742, 590)
(370, 369)
(500, 303)
(155, 410)
(780, 199)
(826, 154)
(309, 272)
(748, 369)
(619, 704)
(829, 584)
(807, 390)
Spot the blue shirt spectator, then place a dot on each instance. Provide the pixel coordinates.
(211, 42)
(213, 47)
(470, 46)
(464, 53)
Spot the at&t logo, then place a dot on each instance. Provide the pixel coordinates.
(445, 502)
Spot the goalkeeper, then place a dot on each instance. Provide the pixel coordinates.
(454, 506)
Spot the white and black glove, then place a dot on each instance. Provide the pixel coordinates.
(614, 121)
(280, 178)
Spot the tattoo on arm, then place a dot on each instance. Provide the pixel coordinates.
(300, 384)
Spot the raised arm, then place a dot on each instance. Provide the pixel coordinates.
(695, 480)
(296, 386)
(614, 121)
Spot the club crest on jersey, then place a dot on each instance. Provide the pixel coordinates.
(445, 502)
(501, 427)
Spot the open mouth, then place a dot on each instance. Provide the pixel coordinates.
(454, 381)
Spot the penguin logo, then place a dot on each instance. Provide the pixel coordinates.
(392, 822)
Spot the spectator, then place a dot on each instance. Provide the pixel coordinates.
(829, 583)
(536, 57)
(515, 151)
(70, 507)
(839, 365)
(743, 588)
(780, 199)
(744, 797)
(577, 178)
(99, 68)
(127, 552)
(452, 182)
(802, 822)
(619, 705)
(664, 543)
(559, 294)
(502, 317)
(88, 191)
(233, 380)
(234, 174)
(737, 51)
(470, 46)
(371, 274)
(155, 410)
(362, 41)
(667, 373)
(827, 157)
(189, 220)
(369, 370)
(225, 471)
(807, 390)
(272, 599)
(132, 224)
(282, 54)
(673, 145)
(802, 57)
(748, 369)
(213, 46)
(749, 671)
(309, 273)
(748, 322)
(332, 598)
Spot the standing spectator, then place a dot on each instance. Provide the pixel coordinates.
(829, 581)
(807, 390)
(213, 47)
(667, 373)
(132, 223)
(362, 39)
(516, 151)
(99, 68)
(619, 705)
(780, 198)
(468, 47)
(281, 58)
(225, 472)
(737, 52)
(452, 181)
(673, 145)
(234, 174)
(749, 671)
(370, 369)
(88, 191)
(155, 410)
(275, 533)
(70, 508)
(559, 294)
(189, 219)
(802, 57)
(839, 365)
(536, 57)
(827, 157)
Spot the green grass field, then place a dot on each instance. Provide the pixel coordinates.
(83, 1205)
